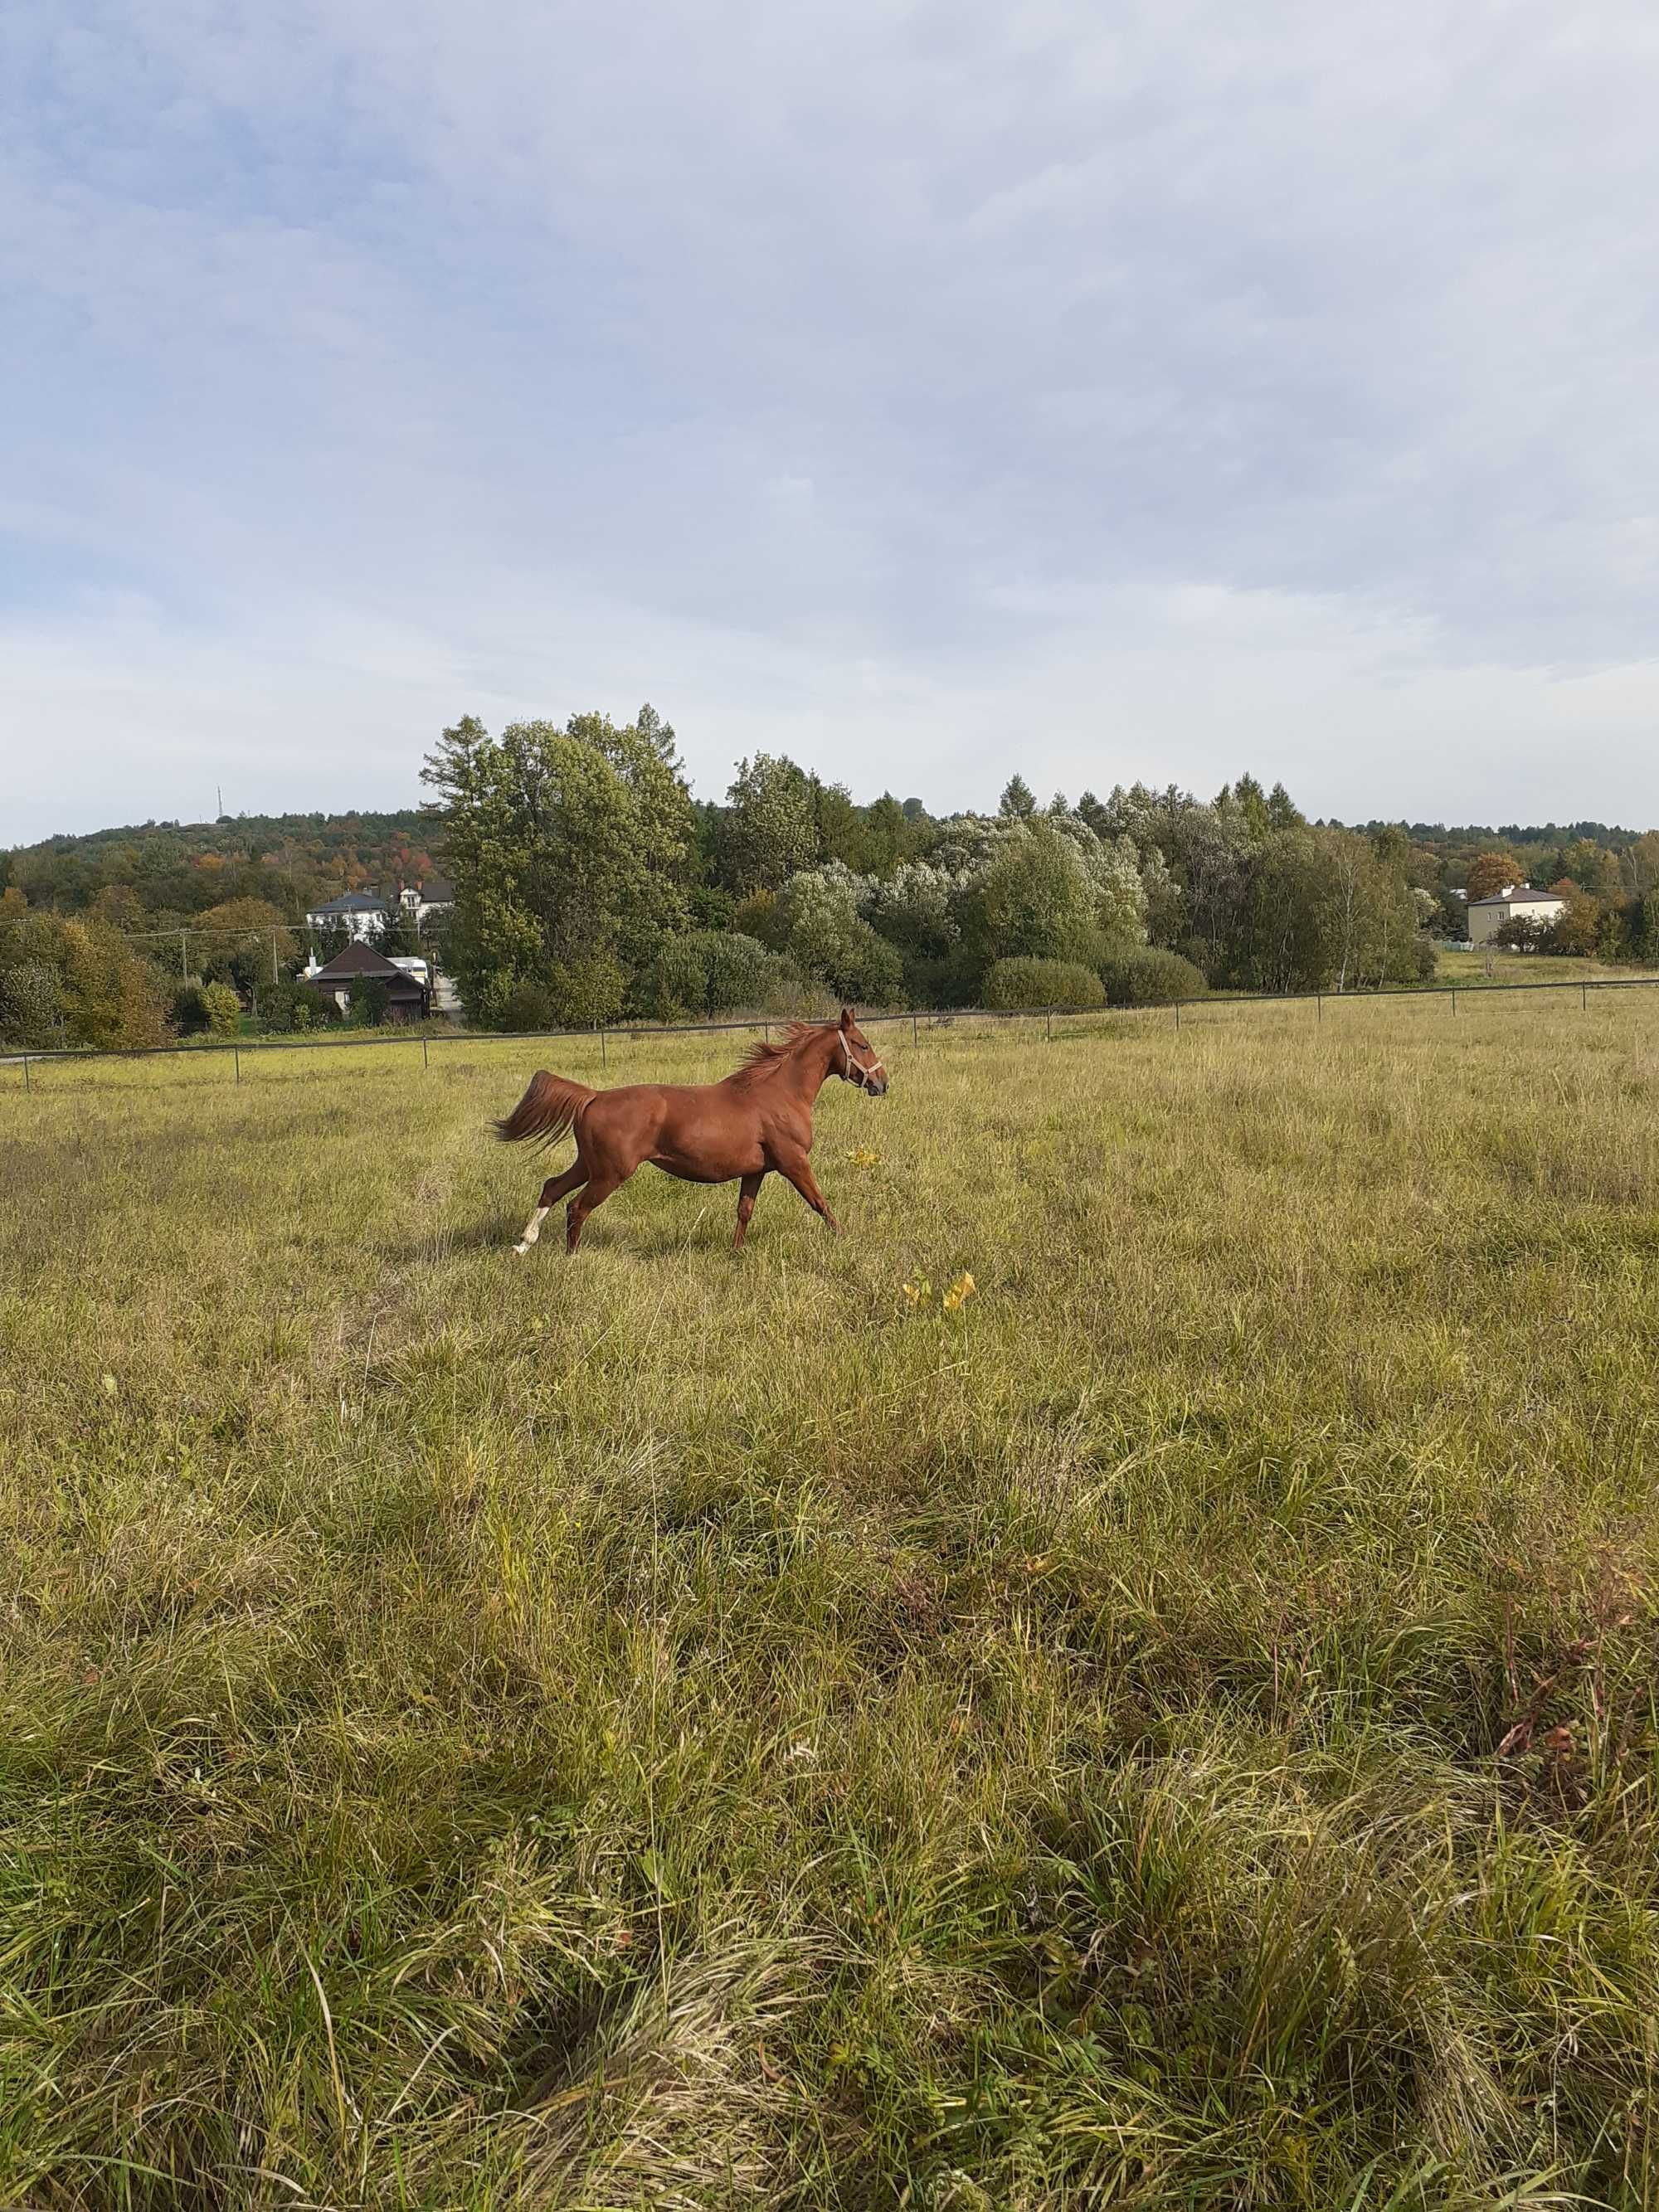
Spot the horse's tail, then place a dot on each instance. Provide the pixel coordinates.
(549, 1109)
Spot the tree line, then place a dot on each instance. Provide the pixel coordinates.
(592, 884)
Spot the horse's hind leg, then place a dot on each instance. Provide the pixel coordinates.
(555, 1188)
(601, 1185)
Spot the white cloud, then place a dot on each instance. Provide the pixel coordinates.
(1142, 393)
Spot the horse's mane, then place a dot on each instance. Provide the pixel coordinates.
(764, 1058)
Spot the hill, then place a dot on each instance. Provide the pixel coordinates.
(164, 871)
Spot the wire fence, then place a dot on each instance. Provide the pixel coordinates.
(445, 1041)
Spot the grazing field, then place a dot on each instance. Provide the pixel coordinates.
(1177, 1728)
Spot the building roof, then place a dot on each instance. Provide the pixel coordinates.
(355, 964)
(438, 890)
(1521, 897)
(354, 902)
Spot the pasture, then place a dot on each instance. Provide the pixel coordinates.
(673, 1729)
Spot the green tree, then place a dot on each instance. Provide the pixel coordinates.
(570, 850)
(772, 828)
(1019, 800)
(1593, 868)
(831, 941)
(889, 836)
(1050, 890)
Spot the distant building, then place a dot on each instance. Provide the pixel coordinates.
(360, 914)
(1488, 915)
(436, 896)
(407, 996)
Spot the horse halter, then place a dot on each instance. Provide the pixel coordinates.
(856, 1071)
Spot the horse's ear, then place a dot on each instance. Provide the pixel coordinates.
(846, 1017)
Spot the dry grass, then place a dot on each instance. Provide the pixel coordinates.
(672, 1730)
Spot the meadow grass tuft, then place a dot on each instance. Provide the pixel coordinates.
(1173, 1727)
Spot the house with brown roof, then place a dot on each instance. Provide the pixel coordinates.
(1488, 915)
(407, 998)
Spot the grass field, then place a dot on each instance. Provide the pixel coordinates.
(1454, 966)
(668, 1730)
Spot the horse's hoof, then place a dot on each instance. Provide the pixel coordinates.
(521, 1250)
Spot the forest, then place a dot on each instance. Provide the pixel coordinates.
(592, 885)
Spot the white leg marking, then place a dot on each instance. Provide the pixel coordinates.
(532, 1230)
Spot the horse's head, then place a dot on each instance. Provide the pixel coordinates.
(856, 1062)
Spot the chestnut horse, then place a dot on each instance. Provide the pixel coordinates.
(757, 1122)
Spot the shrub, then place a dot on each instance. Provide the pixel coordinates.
(223, 1009)
(709, 971)
(292, 1006)
(370, 1001)
(526, 1007)
(741, 973)
(1026, 982)
(1149, 977)
(957, 979)
(189, 1013)
(78, 983)
(589, 991)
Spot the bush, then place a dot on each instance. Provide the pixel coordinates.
(189, 1013)
(1149, 977)
(956, 980)
(526, 1007)
(588, 992)
(370, 1000)
(287, 1005)
(1033, 983)
(223, 1009)
(78, 982)
(709, 971)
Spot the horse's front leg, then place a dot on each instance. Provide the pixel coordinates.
(795, 1168)
(747, 1195)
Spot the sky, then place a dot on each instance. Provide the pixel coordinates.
(927, 392)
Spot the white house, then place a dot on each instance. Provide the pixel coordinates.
(360, 914)
(1488, 915)
(436, 896)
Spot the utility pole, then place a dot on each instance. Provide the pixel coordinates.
(276, 972)
(183, 955)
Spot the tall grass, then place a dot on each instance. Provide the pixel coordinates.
(672, 1729)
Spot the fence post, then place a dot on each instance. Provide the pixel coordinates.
(603, 1061)
(1048, 1026)
(236, 1061)
(1583, 998)
(25, 1071)
(1319, 1006)
(915, 1037)
(1454, 1002)
(423, 1058)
